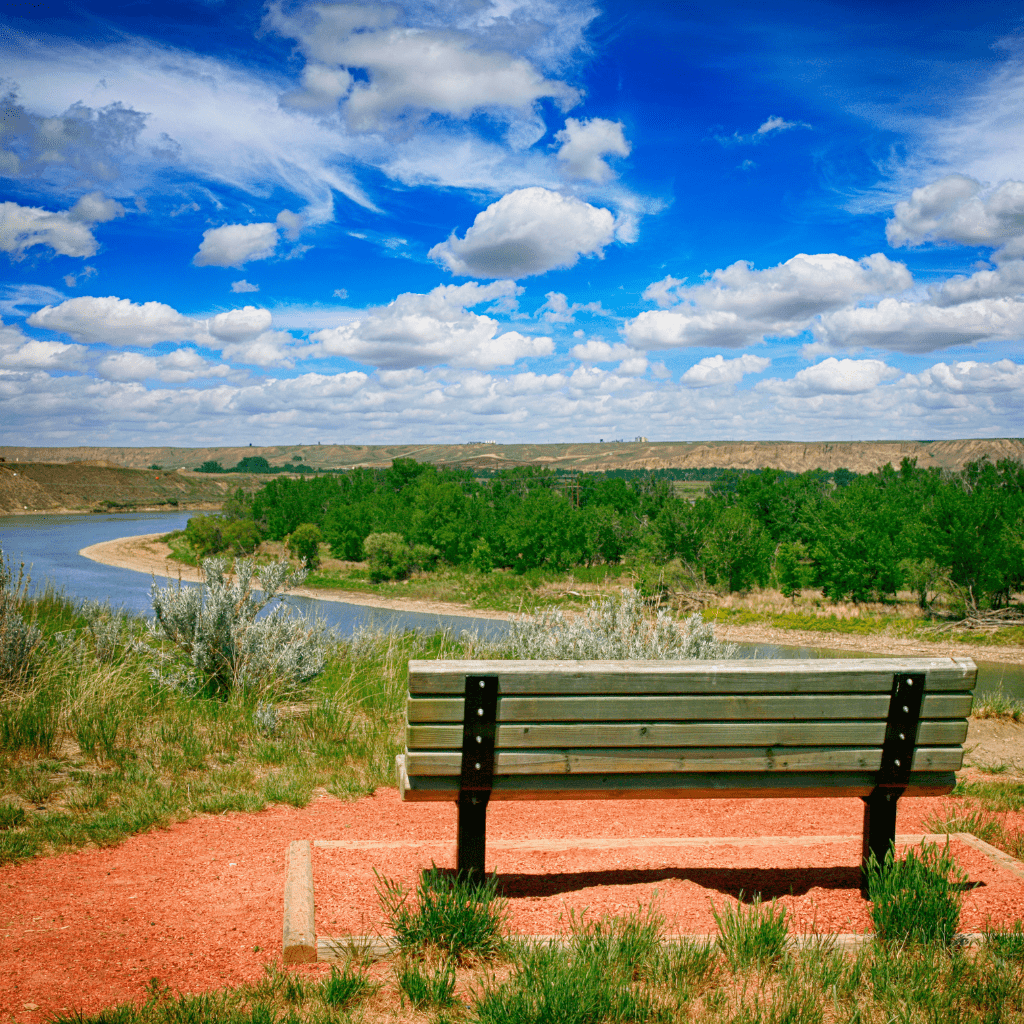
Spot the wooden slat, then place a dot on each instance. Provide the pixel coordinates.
(687, 708)
(666, 786)
(864, 675)
(676, 734)
(682, 759)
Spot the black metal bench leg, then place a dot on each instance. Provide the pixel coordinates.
(879, 829)
(472, 835)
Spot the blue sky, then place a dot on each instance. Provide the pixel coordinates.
(225, 223)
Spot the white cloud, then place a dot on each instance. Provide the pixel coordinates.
(586, 143)
(597, 351)
(240, 333)
(271, 348)
(115, 321)
(556, 308)
(778, 124)
(738, 305)
(244, 286)
(405, 68)
(238, 324)
(529, 231)
(17, 351)
(905, 326)
(715, 370)
(959, 209)
(177, 367)
(957, 400)
(431, 329)
(833, 377)
(235, 244)
(67, 232)
(1006, 281)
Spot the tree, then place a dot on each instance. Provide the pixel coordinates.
(304, 544)
(210, 466)
(253, 464)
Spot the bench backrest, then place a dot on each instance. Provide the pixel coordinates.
(589, 729)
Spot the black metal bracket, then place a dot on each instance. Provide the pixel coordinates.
(479, 730)
(893, 777)
(901, 730)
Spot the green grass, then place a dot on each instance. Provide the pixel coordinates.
(916, 899)
(455, 918)
(626, 970)
(997, 704)
(93, 749)
(976, 807)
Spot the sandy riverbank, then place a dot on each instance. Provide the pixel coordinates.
(145, 553)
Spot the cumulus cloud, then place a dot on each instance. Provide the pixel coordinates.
(769, 126)
(244, 286)
(405, 68)
(177, 367)
(67, 232)
(959, 209)
(114, 321)
(122, 323)
(1006, 281)
(529, 231)
(833, 377)
(715, 370)
(956, 400)
(18, 351)
(235, 244)
(586, 143)
(906, 326)
(556, 308)
(597, 351)
(738, 305)
(431, 329)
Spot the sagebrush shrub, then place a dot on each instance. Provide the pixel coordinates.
(613, 628)
(20, 641)
(229, 646)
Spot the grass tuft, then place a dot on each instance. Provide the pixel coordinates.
(754, 935)
(455, 918)
(917, 899)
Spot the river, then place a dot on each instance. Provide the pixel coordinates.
(49, 546)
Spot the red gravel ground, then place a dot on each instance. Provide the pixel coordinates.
(200, 905)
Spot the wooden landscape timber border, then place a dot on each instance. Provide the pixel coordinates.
(874, 728)
(303, 946)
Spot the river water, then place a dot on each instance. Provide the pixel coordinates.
(49, 546)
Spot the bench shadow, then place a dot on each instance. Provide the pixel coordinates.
(741, 883)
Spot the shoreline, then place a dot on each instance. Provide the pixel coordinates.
(145, 553)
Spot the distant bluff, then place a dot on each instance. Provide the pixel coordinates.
(794, 456)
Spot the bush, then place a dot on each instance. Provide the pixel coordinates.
(20, 641)
(204, 535)
(615, 628)
(916, 899)
(304, 544)
(228, 649)
(391, 558)
(452, 916)
(241, 536)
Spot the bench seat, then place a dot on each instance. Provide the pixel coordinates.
(691, 729)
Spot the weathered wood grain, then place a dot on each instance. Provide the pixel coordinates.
(680, 734)
(835, 707)
(794, 676)
(686, 759)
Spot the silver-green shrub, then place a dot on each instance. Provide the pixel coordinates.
(615, 628)
(20, 641)
(226, 647)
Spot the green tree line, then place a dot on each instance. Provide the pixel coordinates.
(856, 537)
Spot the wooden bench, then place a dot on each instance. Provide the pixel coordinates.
(875, 728)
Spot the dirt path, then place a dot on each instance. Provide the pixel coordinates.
(199, 906)
(145, 553)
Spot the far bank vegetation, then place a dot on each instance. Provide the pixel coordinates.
(905, 550)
